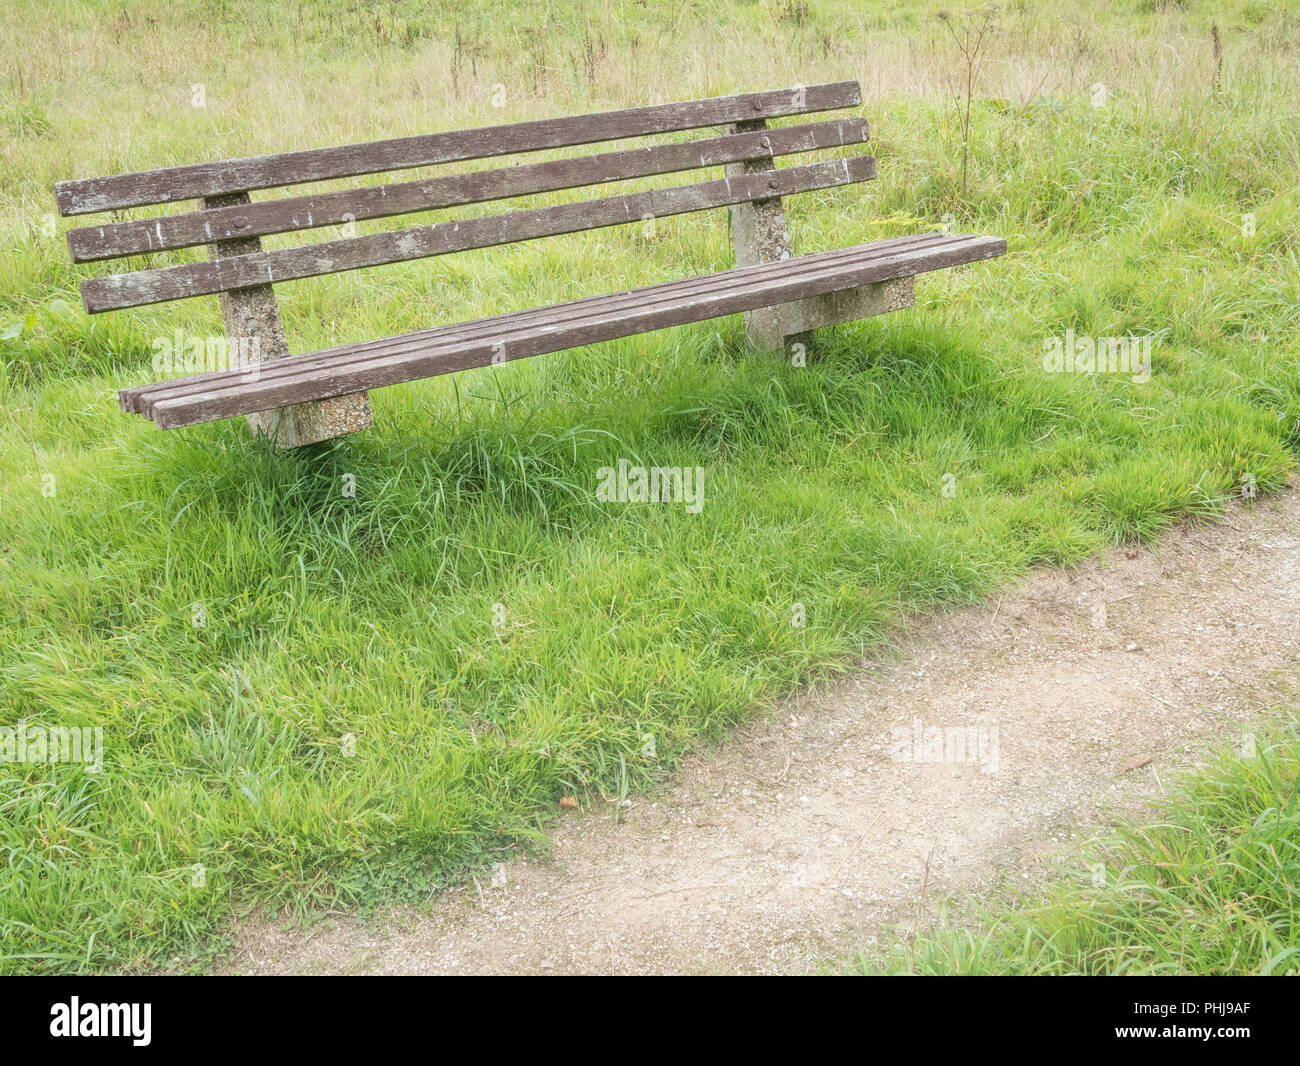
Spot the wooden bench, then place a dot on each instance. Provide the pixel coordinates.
(301, 399)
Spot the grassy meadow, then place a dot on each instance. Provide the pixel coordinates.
(315, 700)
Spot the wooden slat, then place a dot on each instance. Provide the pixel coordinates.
(138, 236)
(140, 398)
(331, 257)
(730, 292)
(169, 184)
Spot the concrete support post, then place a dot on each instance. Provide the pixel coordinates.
(760, 234)
(252, 315)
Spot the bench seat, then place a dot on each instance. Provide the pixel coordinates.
(361, 367)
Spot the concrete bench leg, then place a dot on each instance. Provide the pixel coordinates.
(253, 313)
(760, 234)
(797, 320)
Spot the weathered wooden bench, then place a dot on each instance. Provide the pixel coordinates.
(301, 399)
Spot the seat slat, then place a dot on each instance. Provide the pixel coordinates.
(659, 307)
(330, 257)
(139, 236)
(140, 398)
(166, 185)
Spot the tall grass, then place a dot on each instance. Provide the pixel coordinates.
(487, 635)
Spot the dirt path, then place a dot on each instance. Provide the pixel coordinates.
(812, 830)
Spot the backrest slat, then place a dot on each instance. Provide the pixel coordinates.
(169, 184)
(221, 275)
(140, 236)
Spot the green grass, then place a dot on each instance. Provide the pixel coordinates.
(489, 636)
(1207, 885)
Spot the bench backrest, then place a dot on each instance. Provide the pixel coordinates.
(231, 224)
